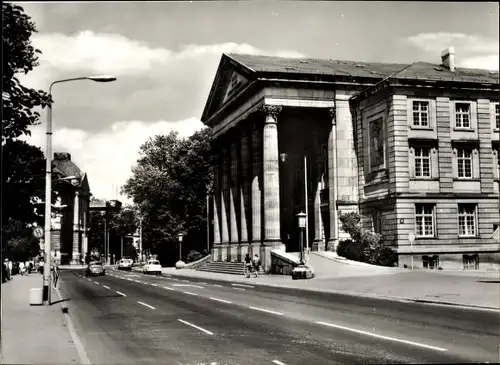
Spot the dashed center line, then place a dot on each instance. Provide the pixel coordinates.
(266, 310)
(239, 288)
(195, 326)
(168, 288)
(146, 305)
(107, 287)
(123, 295)
(96, 282)
(217, 285)
(154, 285)
(221, 300)
(243, 285)
(188, 292)
(277, 362)
(383, 337)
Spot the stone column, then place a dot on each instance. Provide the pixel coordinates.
(216, 204)
(224, 207)
(244, 192)
(234, 203)
(318, 243)
(332, 184)
(270, 152)
(76, 228)
(256, 190)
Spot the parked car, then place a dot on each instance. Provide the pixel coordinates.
(152, 267)
(95, 268)
(125, 264)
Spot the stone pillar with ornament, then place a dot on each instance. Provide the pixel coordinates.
(76, 230)
(318, 242)
(270, 154)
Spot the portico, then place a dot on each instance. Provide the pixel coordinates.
(262, 132)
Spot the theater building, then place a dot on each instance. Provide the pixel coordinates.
(398, 143)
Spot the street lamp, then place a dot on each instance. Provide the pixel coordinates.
(302, 271)
(301, 219)
(48, 181)
(180, 264)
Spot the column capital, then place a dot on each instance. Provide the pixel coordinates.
(272, 111)
(333, 114)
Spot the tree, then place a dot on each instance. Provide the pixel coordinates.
(169, 185)
(19, 56)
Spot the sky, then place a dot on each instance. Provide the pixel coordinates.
(165, 55)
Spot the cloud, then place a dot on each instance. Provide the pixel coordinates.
(472, 51)
(108, 157)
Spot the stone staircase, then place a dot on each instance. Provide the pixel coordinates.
(225, 267)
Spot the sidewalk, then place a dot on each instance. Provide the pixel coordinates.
(33, 334)
(481, 290)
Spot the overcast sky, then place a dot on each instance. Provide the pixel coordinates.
(165, 55)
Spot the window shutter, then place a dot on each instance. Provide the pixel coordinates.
(473, 115)
(455, 163)
(475, 164)
(434, 163)
(411, 162)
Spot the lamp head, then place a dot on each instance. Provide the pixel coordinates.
(102, 78)
(301, 218)
(180, 236)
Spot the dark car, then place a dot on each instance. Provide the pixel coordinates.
(95, 268)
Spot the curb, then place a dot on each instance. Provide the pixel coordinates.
(84, 360)
(354, 294)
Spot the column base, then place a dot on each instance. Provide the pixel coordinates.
(332, 245)
(254, 249)
(243, 249)
(318, 245)
(216, 252)
(75, 260)
(265, 253)
(233, 252)
(224, 248)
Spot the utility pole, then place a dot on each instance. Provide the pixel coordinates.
(208, 222)
(121, 253)
(140, 239)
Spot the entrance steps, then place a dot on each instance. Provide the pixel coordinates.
(225, 267)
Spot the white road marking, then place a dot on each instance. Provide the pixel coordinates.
(96, 282)
(168, 288)
(243, 285)
(195, 326)
(107, 287)
(154, 285)
(123, 295)
(89, 279)
(129, 279)
(277, 362)
(217, 285)
(147, 305)
(239, 288)
(222, 300)
(188, 292)
(189, 285)
(383, 337)
(187, 281)
(266, 310)
(201, 282)
(137, 281)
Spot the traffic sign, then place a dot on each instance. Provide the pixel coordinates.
(38, 232)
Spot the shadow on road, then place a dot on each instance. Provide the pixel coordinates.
(489, 281)
(59, 301)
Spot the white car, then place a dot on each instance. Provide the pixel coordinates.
(125, 264)
(152, 267)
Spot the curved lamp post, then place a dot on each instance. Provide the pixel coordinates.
(48, 182)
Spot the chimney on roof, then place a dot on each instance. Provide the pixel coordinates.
(62, 156)
(448, 58)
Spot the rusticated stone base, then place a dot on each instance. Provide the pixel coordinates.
(224, 248)
(318, 245)
(265, 253)
(216, 252)
(243, 249)
(233, 252)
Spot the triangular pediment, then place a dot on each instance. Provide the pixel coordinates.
(230, 79)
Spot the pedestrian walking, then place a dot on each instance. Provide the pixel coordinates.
(248, 265)
(10, 268)
(56, 274)
(256, 265)
(22, 269)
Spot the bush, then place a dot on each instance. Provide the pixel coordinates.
(193, 256)
(383, 256)
(351, 250)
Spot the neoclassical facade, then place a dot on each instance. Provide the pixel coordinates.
(287, 142)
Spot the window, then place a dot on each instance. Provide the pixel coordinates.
(496, 164)
(376, 143)
(462, 115)
(497, 116)
(467, 220)
(424, 220)
(464, 163)
(421, 113)
(422, 162)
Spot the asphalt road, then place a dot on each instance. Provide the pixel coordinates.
(127, 317)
